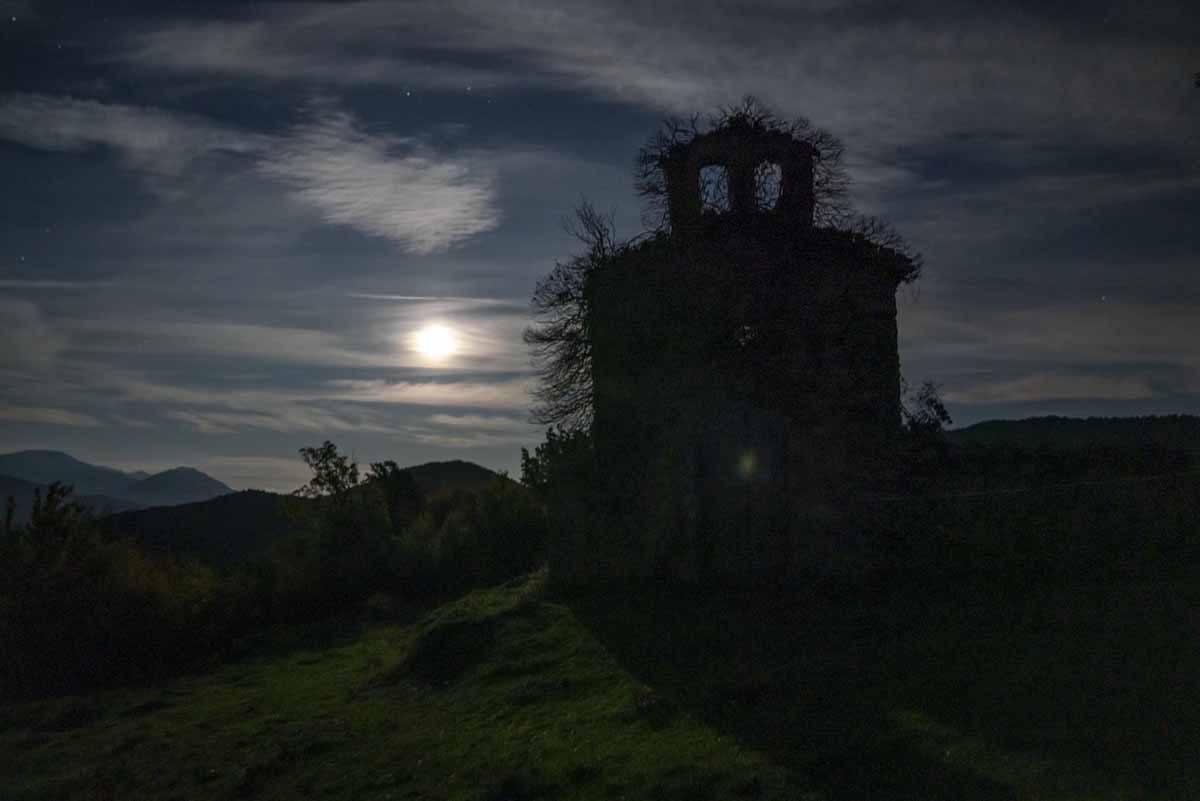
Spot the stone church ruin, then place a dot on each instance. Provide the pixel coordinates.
(744, 362)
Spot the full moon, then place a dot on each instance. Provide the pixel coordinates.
(435, 342)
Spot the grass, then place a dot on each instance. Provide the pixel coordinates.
(993, 690)
(536, 709)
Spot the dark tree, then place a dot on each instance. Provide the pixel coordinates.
(334, 475)
(401, 494)
(924, 412)
(559, 339)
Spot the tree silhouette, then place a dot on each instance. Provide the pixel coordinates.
(400, 492)
(559, 338)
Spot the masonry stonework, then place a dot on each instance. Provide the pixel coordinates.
(745, 364)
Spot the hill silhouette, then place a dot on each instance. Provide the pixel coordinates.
(22, 493)
(434, 477)
(1173, 432)
(45, 467)
(241, 525)
(221, 530)
(177, 485)
(122, 490)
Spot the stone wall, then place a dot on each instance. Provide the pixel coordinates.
(746, 372)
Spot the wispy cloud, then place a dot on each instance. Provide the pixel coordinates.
(383, 339)
(1096, 332)
(258, 472)
(395, 188)
(153, 139)
(51, 285)
(288, 416)
(29, 340)
(279, 344)
(385, 186)
(307, 45)
(134, 422)
(938, 71)
(47, 416)
(507, 394)
(1042, 386)
(482, 422)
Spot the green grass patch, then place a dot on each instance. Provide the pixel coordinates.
(983, 691)
(537, 708)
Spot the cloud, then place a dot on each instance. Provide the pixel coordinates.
(1094, 332)
(474, 431)
(481, 422)
(1055, 386)
(279, 344)
(133, 422)
(37, 284)
(288, 416)
(394, 188)
(153, 139)
(47, 416)
(258, 472)
(1012, 81)
(505, 394)
(864, 71)
(381, 337)
(385, 186)
(26, 339)
(293, 47)
(1026, 204)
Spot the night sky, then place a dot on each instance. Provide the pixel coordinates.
(231, 230)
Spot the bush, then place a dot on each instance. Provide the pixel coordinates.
(77, 612)
(490, 536)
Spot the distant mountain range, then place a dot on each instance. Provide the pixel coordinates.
(105, 489)
(1173, 432)
(233, 527)
(183, 511)
(22, 493)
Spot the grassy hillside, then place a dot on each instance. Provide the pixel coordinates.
(496, 696)
(1071, 692)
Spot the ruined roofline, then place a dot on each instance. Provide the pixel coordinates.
(741, 150)
(835, 241)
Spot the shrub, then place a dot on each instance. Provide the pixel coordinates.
(78, 612)
(490, 536)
